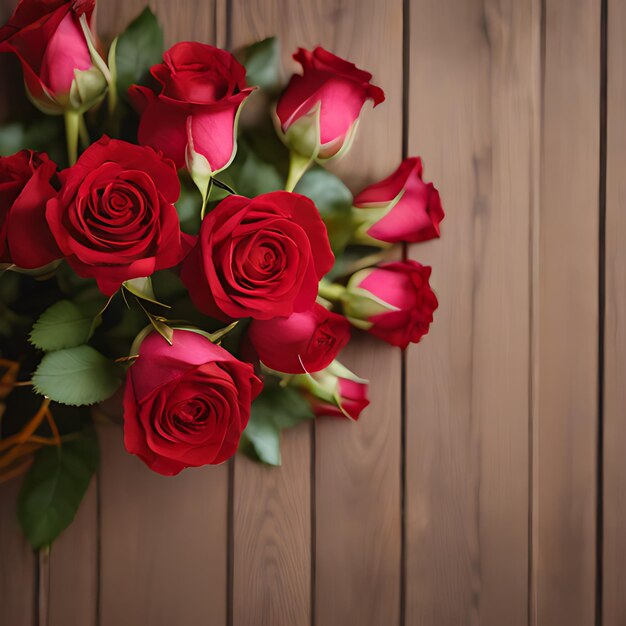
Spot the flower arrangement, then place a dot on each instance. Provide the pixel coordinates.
(151, 233)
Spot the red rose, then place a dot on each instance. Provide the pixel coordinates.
(400, 208)
(27, 182)
(186, 404)
(114, 217)
(335, 391)
(47, 38)
(303, 342)
(328, 99)
(192, 116)
(393, 302)
(259, 258)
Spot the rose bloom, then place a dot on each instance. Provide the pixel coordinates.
(400, 208)
(186, 404)
(259, 258)
(27, 181)
(335, 391)
(47, 38)
(114, 217)
(393, 302)
(191, 117)
(303, 342)
(327, 97)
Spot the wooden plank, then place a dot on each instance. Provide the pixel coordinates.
(474, 118)
(357, 466)
(72, 568)
(17, 564)
(163, 555)
(565, 420)
(614, 581)
(272, 530)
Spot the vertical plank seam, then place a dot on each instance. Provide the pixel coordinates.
(313, 523)
(534, 245)
(406, 57)
(230, 542)
(98, 590)
(601, 309)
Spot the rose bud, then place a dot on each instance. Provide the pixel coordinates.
(400, 208)
(319, 110)
(60, 71)
(114, 218)
(303, 342)
(192, 114)
(393, 302)
(186, 404)
(335, 391)
(27, 181)
(259, 258)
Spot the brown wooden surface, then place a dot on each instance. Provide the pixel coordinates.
(474, 501)
(614, 580)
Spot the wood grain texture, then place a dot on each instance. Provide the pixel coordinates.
(163, 541)
(72, 568)
(614, 581)
(17, 564)
(565, 421)
(357, 466)
(473, 117)
(271, 532)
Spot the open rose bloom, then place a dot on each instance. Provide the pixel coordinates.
(160, 262)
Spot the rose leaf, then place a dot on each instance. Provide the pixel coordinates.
(55, 485)
(76, 376)
(63, 325)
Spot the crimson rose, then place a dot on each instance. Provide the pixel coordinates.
(393, 302)
(259, 258)
(400, 208)
(319, 110)
(47, 38)
(302, 342)
(191, 117)
(114, 217)
(186, 404)
(27, 182)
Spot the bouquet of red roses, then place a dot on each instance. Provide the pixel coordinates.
(150, 232)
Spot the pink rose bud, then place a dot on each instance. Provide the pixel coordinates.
(303, 342)
(335, 391)
(51, 43)
(393, 302)
(319, 110)
(400, 208)
(191, 115)
(186, 404)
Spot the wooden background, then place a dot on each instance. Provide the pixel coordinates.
(486, 485)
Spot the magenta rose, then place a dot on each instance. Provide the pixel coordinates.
(259, 258)
(114, 218)
(400, 208)
(319, 110)
(48, 39)
(303, 342)
(27, 181)
(186, 405)
(393, 302)
(191, 115)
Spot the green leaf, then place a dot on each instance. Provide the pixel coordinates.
(251, 176)
(263, 66)
(334, 202)
(63, 325)
(274, 410)
(76, 376)
(54, 487)
(43, 134)
(139, 47)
